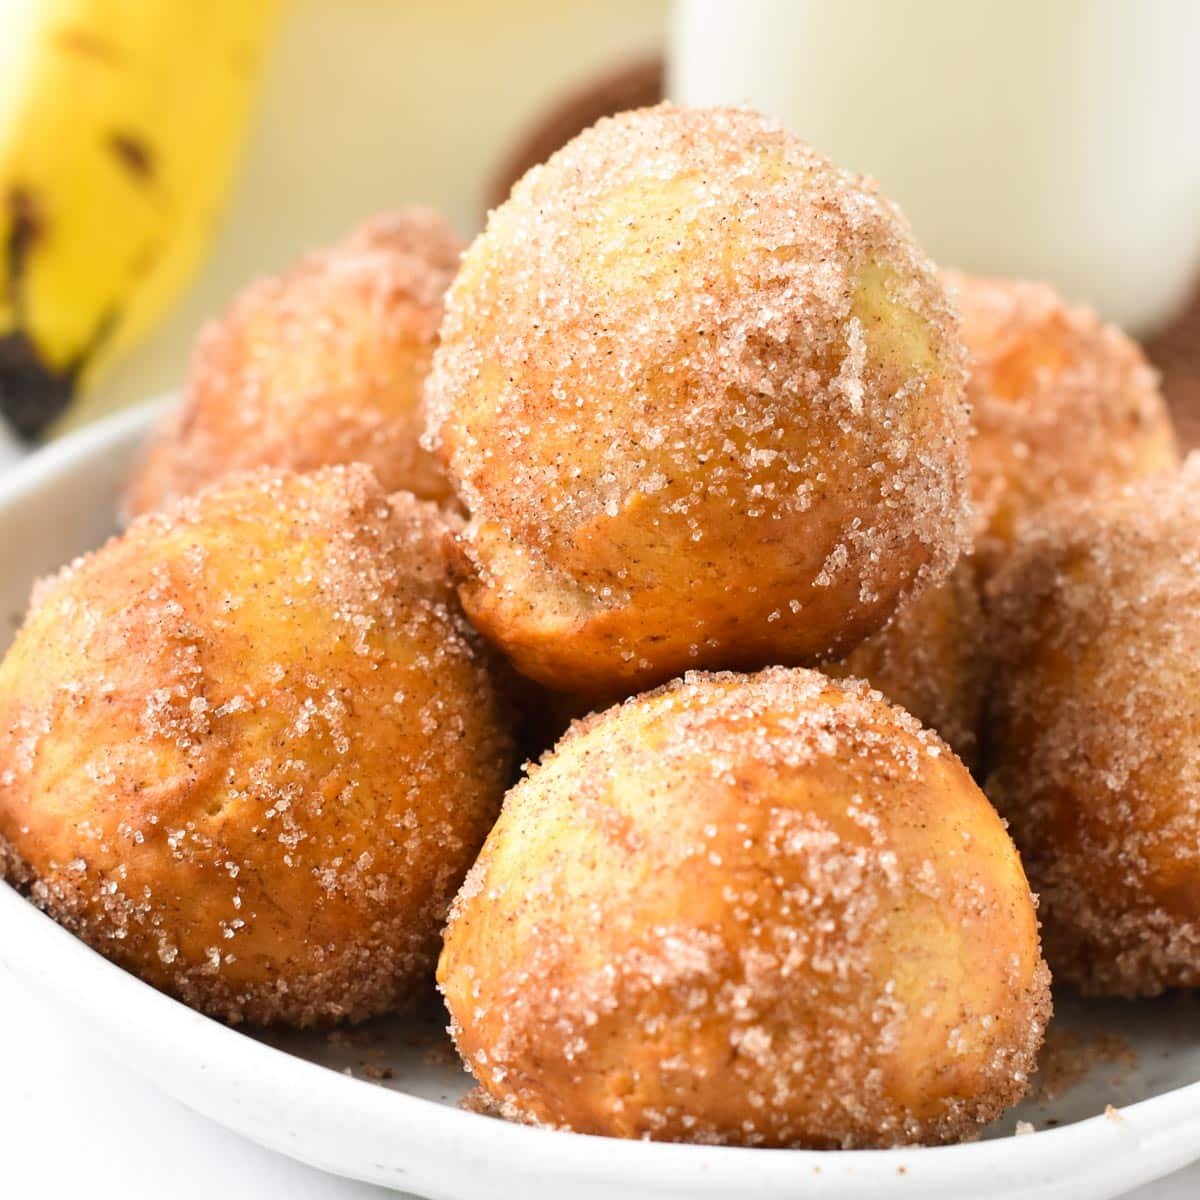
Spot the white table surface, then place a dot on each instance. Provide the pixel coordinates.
(74, 1124)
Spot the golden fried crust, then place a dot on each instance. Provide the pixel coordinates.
(1095, 733)
(249, 749)
(765, 910)
(323, 365)
(703, 399)
(1064, 406)
(929, 660)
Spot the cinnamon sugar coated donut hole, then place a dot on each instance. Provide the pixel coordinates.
(702, 397)
(249, 749)
(323, 365)
(1095, 733)
(761, 910)
(929, 660)
(1064, 406)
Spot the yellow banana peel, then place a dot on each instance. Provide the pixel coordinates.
(120, 127)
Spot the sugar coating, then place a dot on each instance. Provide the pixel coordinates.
(1064, 405)
(249, 748)
(702, 396)
(1095, 647)
(322, 365)
(1069, 1056)
(929, 659)
(759, 910)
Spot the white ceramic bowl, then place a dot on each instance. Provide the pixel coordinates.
(411, 1135)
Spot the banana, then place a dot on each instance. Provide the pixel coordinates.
(120, 126)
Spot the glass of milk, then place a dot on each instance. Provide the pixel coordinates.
(1050, 139)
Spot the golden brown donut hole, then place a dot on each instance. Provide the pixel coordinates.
(325, 364)
(1064, 406)
(1095, 733)
(929, 660)
(762, 910)
(249, 749)
(703, 398)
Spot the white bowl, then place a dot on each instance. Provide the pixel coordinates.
(411, 1135)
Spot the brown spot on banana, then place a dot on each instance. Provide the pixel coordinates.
(133, 154)
(86, 44)
(25, 227)
(31, 393)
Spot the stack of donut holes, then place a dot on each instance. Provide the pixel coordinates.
(696, 441)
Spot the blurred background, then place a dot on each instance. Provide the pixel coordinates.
(155, 155)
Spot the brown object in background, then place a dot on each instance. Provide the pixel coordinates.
(1176, 353)
(634, 84)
